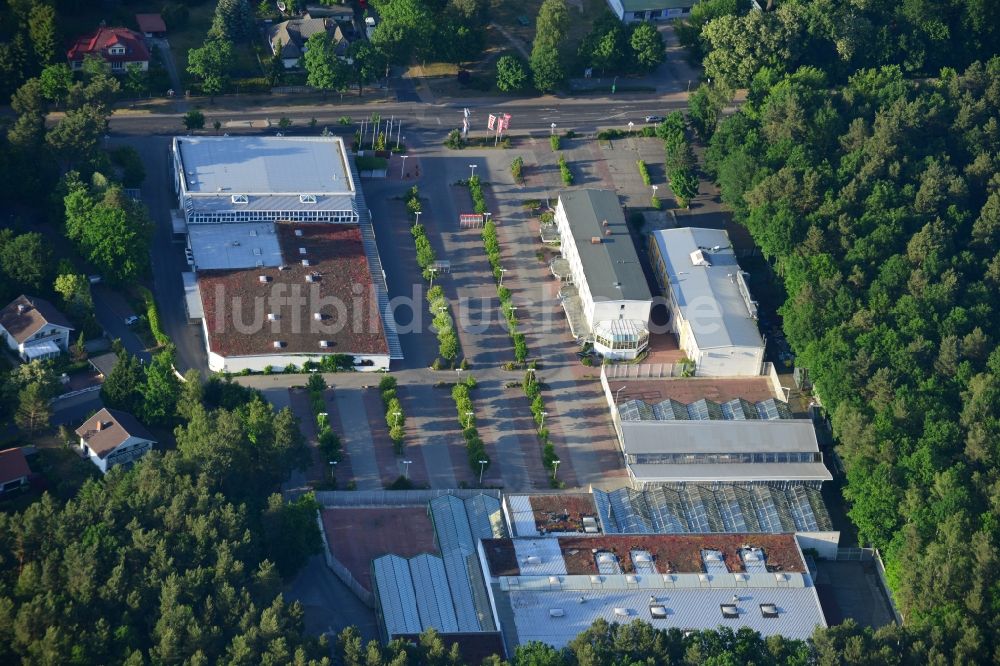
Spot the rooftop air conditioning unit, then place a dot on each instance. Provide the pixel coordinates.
(302, 250)
(317, 316)
(595, 240)
(621, 612)
(608, 232)
(305, 262)
(556, 612)
(312, 277)
(298, 232)
(273, 317)
(278, 344)
(325, 344)
(264, 278)
(658, 611)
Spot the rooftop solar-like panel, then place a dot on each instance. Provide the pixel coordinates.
(433, 594)
(739, 409)
(397, 597)
(705, 410)
(670, 410)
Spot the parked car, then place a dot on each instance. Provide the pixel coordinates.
(130, 320)
(655, 119)
(94, 279)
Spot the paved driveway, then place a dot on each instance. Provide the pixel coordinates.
(111, 309)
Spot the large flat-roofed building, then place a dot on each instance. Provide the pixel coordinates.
(552, 588)
(264, 179)
(612, 290)
(711, 310)
(285, 265)
(318, 300)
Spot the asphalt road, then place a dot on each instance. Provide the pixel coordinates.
(581, 114)
(111, 310)
(168, 260)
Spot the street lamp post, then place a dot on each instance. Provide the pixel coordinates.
(403, 166)
(542, 423)
(555, 467)
(655, 187)
(502, 271)
(418, 218)
(553, 128)
(473, 169)
(395, 420)
(630, 126)
(486, 217)
(406, 468)
(459, 371)
(619, 391)
(468, 419)
(432, 271)
(482, 468)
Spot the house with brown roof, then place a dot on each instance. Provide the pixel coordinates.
(14, 471)
(34, 328)
(112, 437)
(119, 47)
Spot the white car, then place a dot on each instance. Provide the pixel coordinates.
(130, 320)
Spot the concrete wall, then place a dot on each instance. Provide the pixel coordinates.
(824, 543)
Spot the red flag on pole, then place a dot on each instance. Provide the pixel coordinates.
(493, 120)
(506, 121)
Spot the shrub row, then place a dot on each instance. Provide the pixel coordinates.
(474, 447)
(153, 316)
(478, 199)
(443, 324)
(534, 392)
(425, 253)
(492, 246)
(392, 406)
(644, 172)
(555, 142)
(610, 133)
(329, 443)
(567, 175)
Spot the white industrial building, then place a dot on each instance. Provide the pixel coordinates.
(552, 588)
(711, 310)
(613, 294)
(285, 268)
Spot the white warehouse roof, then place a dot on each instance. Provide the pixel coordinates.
(708, 286)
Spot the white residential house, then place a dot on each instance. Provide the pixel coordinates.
(711, 310)
(112, 437)
(611, 288)
(631, 11)
(34, 329)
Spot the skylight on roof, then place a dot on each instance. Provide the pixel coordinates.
(307, 198)
(240, 199)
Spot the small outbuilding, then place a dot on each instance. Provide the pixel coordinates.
(151, 25)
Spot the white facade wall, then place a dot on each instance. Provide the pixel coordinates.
(608, 310)
(135, 446)
(824, 543)
(278, 362)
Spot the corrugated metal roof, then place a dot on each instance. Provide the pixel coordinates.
(485, 521)
(433, 595)
(707, 295)
(522, 517)
(396, 595)
(719, 436)
(539, 557)
(234, 245)
(611, 265)
(734, 472)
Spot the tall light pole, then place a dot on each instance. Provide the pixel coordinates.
(403, 167)
(468, 419)
(482, 468)
(655, 187)
(432, 271)
(459, 371)
(333, 469)
(395, 419)
(619, 391)
(542, 423)
(630, 126)
(473, 174)
(418, 218)
(486, 217)
(406, 468)
(555, 467)
(553, 128)
(502, 271)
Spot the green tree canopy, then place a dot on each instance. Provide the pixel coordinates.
(511, 76)
(325, 71)
(212, 64)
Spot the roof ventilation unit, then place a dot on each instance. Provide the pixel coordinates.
(325, 344)
(312, 277)
(658, 611)
(264, 278)
(533, 559)
(240, 199)
(621, 612)
(302, 250)
(595, 240)
(317, 316)
(279, 344)
(298, 232)
(608, 232)
(769, 611)
(305, 262)
(698, 258)
(273, 317)
(729, 611)
(307, 198)
(556, 612)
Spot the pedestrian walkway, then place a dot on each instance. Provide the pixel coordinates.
(357, 438)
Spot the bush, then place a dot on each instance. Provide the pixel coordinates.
(315, 383)
(478, 198)
(567, 175)
(454, 140)
(516, 169)
(644, 172)
(128, 160)
(655, 202)
(388, 382)
(554, 142)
